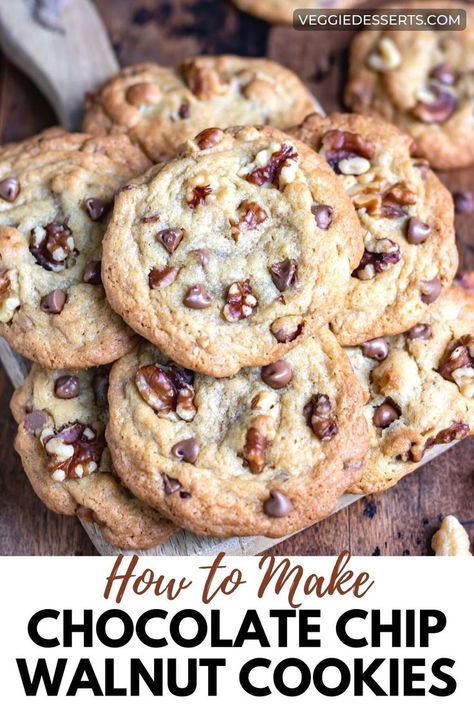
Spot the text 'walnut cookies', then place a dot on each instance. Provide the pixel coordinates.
(61, 419)
(161, 107)
(407, 215)
(265, 452)
(56, 191)
(225, 256)
(423, 82)
(421, 388)
(281, 11)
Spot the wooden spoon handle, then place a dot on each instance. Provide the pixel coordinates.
(64, 65)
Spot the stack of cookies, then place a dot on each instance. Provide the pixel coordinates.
(237, 309)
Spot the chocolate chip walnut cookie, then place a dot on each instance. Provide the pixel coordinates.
(61, 418)
(421, 386)
(227, 255)
(423, 82)
(265, 452)
(161, 107)
(410, 256)
(281, 11)
(56, 192)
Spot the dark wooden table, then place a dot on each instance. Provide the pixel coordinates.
(399, 522)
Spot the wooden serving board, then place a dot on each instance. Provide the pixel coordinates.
(65, 65)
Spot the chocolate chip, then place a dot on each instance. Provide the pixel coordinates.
(323, 214)
(277, 375)
(422, 331)
(100, 385)
(277, 505)
(284, 274)
(385, 414)
(97, 208)
(444, 74)
(184, 111)
(170, 239)
(197, 297)
(286, 333)
(9, 189)
(377, 348)
(187, 450)
(203, 255)
(417, 231)
(170, 485)
(53, 303)
(430, 290)
(36, 421)
(162, 277)
(185, 494)
(463, 202)
(92, 273)
(209, 138)
(67, 387)
(438, 110)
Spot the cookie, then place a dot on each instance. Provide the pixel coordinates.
(281, 11)
(61, 417)
(421, 386)
(161, 107)
(406, 214)
(56, 191)
(263, 453)
(421, 81)
(227, 255)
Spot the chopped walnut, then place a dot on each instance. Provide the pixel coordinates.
(378, 255)
(52, 245)
(457, 364)
(343, 147)
(239, 301)
(318, 414)
(167, 389)
(9, 295)
(198, 190)
(451, 538)
(202, 80)
(385, 57)
(275, 165)
(262, 430)
(73, 452)
(382, 200)
(249, 216)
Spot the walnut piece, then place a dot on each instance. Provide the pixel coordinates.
(451, 538)
(239, 301)
(168, 390)
(9, 295)
(73, 452)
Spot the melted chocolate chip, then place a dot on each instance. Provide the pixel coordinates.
(96, 208)
(323, 214)
(92, 273)
(53, 303)
(170, 485)
(417, 231)
(9, 189)
(197, 297)
(67, 387)
(100, 385)
(444, 73)
(277, 375)
(284, 274)
(385, 414)
(422, 331)
(184, 111)
(161, 278)
(277, 505)
(187, 450)
(36, 421)
(430, 290)
(377, 348)
(170, 239)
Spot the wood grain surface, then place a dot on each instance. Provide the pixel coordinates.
(399, 522)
